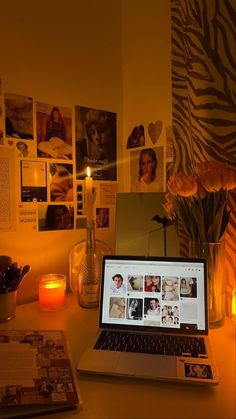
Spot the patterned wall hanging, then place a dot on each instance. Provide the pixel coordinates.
(204, 96)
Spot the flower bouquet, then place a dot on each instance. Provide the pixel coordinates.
(200, 202)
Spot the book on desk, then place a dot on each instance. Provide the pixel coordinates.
(36, 374)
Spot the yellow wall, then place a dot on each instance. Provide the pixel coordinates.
(66, 54)
(146, 68)
(80, 52)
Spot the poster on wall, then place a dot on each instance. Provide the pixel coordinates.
(80, 198)
(7, 191)
(18, 116)
(33, 181)
(54, 131)
(108, 193)
(136, 138)
(147, 170)
(26, 216)
(55, 217)
(24, 148)
(102, 217)
(61, 182)
(155, 130)
(95, 143)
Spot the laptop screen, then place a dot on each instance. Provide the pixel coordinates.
(164, 293)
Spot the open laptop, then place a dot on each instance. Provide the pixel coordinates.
(153, 321)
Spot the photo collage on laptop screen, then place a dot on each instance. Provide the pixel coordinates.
(154, 293)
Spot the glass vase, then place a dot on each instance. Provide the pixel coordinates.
(85, 265)
(214, 253)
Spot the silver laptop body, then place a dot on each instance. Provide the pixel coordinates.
(160, 299)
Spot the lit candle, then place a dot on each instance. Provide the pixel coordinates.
(234, 303)
(89, 195)
(52, 291)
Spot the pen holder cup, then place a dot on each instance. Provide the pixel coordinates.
(7, 306)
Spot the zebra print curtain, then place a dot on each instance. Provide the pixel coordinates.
(204, 95)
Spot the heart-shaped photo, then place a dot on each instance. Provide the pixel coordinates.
(10, 142)
(154, 130)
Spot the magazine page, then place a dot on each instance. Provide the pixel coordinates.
(36, 369)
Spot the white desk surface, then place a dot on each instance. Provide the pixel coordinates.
(128, 398)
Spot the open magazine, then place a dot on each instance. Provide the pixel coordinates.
(36, 373)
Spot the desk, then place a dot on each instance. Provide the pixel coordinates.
(128, 398)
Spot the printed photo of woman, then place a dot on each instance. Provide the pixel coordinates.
(147, 170)
(54, 131)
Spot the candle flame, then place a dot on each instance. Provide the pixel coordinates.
(88, 172)
(52, 285)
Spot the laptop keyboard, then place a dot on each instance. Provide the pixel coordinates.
(152, 344)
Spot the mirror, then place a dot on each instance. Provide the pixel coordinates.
(136, 232)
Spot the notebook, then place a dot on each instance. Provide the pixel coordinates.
(37, 376)
(153, 321)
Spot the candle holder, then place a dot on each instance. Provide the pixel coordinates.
(52, 289)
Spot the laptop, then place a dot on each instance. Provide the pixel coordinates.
(153, 321)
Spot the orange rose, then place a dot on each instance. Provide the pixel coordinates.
(205, 217)
(171, 184)
(210, 174)
(200, 190)
(229, 178)
(181, 184)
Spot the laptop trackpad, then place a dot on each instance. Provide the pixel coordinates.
(147, 365)
(131, 364)
(99, 361)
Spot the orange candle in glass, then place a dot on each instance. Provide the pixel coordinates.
(52, 291)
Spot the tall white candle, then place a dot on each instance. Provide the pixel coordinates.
(89, 195)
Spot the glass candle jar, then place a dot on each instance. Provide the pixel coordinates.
(52, 289)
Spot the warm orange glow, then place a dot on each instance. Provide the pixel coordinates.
(88, 171)
(52, 292)
(52, 285)
(234, 302)
(36, 177)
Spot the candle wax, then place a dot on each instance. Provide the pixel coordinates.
(52, 294)
(89, 197)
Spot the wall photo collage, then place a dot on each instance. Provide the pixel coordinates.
(50, 162)
(51, 146)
